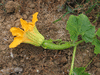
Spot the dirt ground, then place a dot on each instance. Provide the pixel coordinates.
(27, 59)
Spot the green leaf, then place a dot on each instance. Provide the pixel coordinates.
(79, 71)
(96, 42)
(80, 25)
(98, 32)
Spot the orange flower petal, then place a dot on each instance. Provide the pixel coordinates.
(17, 32)
(34, 18)
(16, 42)
(25, 25)
(31, 25)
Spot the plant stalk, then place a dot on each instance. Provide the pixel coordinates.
(73, 58)
(79, 42)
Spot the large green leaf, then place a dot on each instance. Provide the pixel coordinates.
(79, 71)
(96, 42)
(80, 25)
(98, 32)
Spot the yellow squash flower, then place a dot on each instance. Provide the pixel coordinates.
(30, 34)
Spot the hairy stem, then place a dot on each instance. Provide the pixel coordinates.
(50, 45)
(79, 42)
(73, 58)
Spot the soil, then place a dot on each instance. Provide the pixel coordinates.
(27, 59)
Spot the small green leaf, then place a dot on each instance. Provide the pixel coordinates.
(98, 32)
(96, 42)
(79, 71)
(80, 25)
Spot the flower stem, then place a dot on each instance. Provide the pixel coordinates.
(73, 58)
(52, 46)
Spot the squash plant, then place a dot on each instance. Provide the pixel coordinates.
(76, 25)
